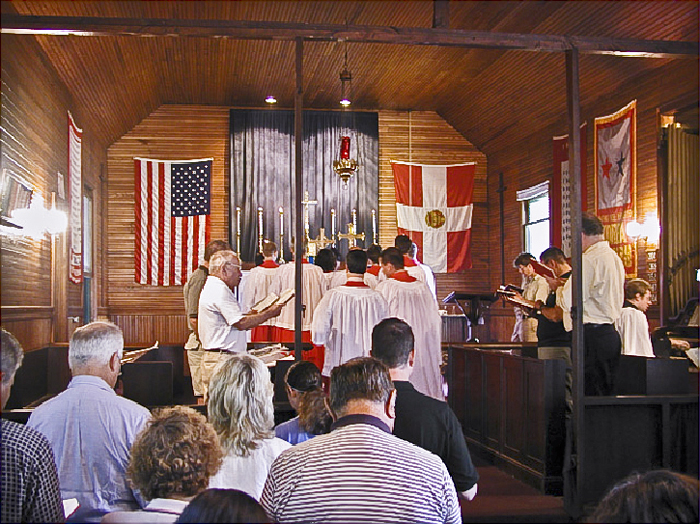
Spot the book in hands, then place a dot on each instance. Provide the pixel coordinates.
(516, 300)
(272, 299)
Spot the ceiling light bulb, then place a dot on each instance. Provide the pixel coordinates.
(345, 102)
(271, 100)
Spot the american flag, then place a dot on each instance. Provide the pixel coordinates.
(172, 206)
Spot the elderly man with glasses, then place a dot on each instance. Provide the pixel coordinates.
(222, 325)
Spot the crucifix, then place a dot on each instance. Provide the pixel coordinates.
(352, 236)
(306, 203)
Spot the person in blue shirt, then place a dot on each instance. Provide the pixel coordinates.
(305, 392)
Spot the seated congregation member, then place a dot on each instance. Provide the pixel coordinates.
(654, 496)
(344, 318)
(360, 472)
(411, 300)
(326, 260)
(171, 461)
(305, 392)
(222, 325)
(422, 420)
(241, 410)
(30, 491)
(374, 268)
(90, 428)
(313, 285)
(632, 324)
(258, 286)
(223, 506)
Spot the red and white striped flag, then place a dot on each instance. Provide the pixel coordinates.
(434, 208)
(172, 206)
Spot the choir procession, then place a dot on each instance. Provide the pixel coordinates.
(350, 261)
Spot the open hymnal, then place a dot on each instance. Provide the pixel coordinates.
(514, 297)
(272, 299)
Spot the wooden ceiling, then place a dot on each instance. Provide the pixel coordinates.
(492, 96)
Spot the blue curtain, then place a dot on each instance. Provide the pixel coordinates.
(262, 173)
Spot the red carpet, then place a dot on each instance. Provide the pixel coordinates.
(501, 498)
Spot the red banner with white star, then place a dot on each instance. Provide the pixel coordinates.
(615, 162)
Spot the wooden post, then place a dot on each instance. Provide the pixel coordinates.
(298, 191)
(663, 298)
(577, 348)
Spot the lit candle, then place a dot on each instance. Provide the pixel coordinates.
(354, 219)
(374, 227)
(238, 230)
(333, 225)
(260, 228)
(281, 246)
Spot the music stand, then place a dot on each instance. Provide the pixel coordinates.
(473, 306)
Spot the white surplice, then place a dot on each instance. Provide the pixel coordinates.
(343, 322)
(335, 278)
(414, 303)
(313, 285)
(259, 284)
(633, 327)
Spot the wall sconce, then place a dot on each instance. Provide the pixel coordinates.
(36, 220)
(649, 230)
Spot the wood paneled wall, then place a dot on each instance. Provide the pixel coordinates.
(34, 150)
(149, 313)
(529, 162)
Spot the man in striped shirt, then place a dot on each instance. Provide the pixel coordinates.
(360, 472)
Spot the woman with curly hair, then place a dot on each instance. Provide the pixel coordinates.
(305, 392)
(241, 410)
(171, 462)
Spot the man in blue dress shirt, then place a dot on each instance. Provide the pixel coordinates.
(90, 428)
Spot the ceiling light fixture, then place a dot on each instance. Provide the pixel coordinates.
(271, 99)
(345, 82)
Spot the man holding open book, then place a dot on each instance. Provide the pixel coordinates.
(222, 325)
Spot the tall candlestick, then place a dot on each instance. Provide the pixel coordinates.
(374, 227)
(354, 218)
(333, 225)
(260, 229)
(238, 230)
(281, 246)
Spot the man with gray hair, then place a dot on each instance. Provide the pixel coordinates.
(222, 324)
(30, 491)
(360, 472)
(90, 428)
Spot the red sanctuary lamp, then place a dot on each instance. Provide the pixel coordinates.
(345, 167)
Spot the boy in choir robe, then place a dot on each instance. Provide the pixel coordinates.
(326, 259)
(632, 324)
(405, 245)
(313, 286)
(344, 319)
(258, 286)
(410, 300)
(374, 268)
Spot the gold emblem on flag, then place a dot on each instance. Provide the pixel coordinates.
(435, 219)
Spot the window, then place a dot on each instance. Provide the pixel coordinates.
(535, 218)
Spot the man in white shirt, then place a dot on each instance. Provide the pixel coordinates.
(632, 324)
(410, 300)
(344, 319)
(535, 289)
(603, 294)
(405, 245)
(429, 276)
(222, 325)
(258, 285)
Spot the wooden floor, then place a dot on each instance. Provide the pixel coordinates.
(502, 498)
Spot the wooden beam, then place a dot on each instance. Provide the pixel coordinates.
(441, 14)
(256, 30)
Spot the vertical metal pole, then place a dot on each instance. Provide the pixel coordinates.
(298, 192)
(501, 214)
(577, 348)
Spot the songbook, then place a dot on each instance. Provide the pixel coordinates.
(542, 270)
(272, 299)
(514, 298)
